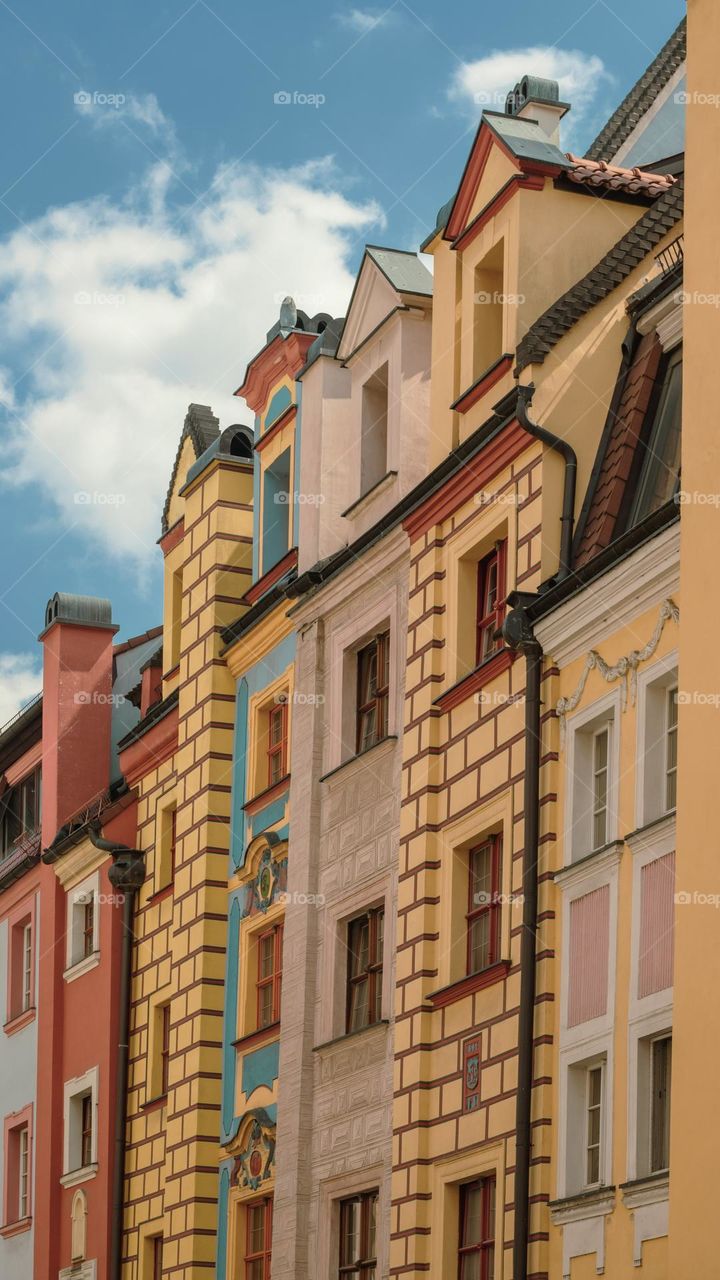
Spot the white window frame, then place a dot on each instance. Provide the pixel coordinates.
(344, 643)
(73, 1092)
(23, 1205)
(573, 1119)
(582, 728)
(653, 684)
(600, 1106)
(76, 963)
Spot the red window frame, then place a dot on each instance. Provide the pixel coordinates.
(272, 980)
(364, 1265)
(164, 1049)
(277, 749)
(490, 607)
(86, 1130)
(489, 907)
(157, 1258)
(373, 686)
(257, 1262)
(484, 1248)
(88, 927)
(371, 972)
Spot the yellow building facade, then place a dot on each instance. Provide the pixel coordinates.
(179, 758)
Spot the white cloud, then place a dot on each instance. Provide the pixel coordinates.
(486, 82)
(117, 317)
(363, 20)
(20, 680)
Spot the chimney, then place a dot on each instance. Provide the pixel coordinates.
(77, 705)
(536, 99)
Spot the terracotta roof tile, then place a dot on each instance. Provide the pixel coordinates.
(611, 177)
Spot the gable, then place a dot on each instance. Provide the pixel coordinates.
(372, 302)
(175, 506)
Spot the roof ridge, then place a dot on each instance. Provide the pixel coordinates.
(643, 93)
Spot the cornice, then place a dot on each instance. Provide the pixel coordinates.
(595, 864)
(646, 578)
(251, 647)
(359, 575)
(79, 863)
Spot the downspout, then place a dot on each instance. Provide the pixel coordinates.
(566, 451)
(126, 874)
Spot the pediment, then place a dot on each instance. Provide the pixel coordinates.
(372, 302)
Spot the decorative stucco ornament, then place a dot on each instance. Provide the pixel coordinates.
(265, 882)
(253, 1166)
(625, 669)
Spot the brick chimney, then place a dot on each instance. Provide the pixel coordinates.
(77, 705)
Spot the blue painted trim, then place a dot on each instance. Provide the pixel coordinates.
(232, 984)
(268, 816)
(239, 776)
(279, 403)
(295, 536)
(223, 1213)
(260, 1068)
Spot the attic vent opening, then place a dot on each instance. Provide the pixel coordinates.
(240, 445)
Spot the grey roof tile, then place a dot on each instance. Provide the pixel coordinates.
(641, 96)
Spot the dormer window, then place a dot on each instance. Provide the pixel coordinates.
(660, 471)
(374, 430)
(20, 811)
(276, 510)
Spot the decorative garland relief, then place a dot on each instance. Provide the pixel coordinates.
(625, 669)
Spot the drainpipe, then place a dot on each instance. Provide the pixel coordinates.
(518, 634)
(126, 875)
(524, 398)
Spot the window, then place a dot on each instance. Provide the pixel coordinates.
(17, 1180)
(490, 603)
(593, 1127)
(21, 962)
(277, 743)
(80, 1122)
(258, 1240)
(476, 1253)
(166, 845)
(488, 311)
(671, 730)
(660, 1080)
(157, 1257)
(483, 914)
(366, 937)
(276, 506)
(175, 582)
(27, 969)
(20, 811)
(374, 430)
(660, 473)
(164, 1048)
(600, 786)
(373, 688)
(358, 1227)
(83, 922)
(269, 976)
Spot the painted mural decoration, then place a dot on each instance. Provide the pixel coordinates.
(254, 1164)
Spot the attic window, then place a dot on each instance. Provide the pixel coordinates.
(660, 471)
(240, 446)
(488, 311)
(374, 430)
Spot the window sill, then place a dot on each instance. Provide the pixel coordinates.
(19, 1021)
(257, 1037)
(646, 837)
(15, 1228)
(350, 1035)
(263, 798)
(653, 1189)
(595, 1203)
(469, 984)
(82, 966)
(76, 1176)
(360, 756)
(483, 384)
(476, 680)
(379, 487)
(599, 860)
(160, 894)
(154, 1104)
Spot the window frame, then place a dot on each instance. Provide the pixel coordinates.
(590, 1107)
(671, 735)
(19, 791)
(274, 979)
(372, 974)
(265, 1256)
(361, 1267)
(17, 1189)
(645, 465)
(664, 1038)
(74, 1091)
(379, 648)
(485, 1247)
(78, 958)
(491, 909)
(279, 749)
(164, 1050)
(21, 965)
(488, 621)
(157, 1244)
(600, 810)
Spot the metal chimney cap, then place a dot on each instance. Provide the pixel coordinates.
(86, 611)
(532, 89)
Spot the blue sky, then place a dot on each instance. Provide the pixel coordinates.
(158, 200)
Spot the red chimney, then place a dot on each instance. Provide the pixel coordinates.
(77, 705)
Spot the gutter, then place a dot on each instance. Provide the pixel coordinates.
(126, 874)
